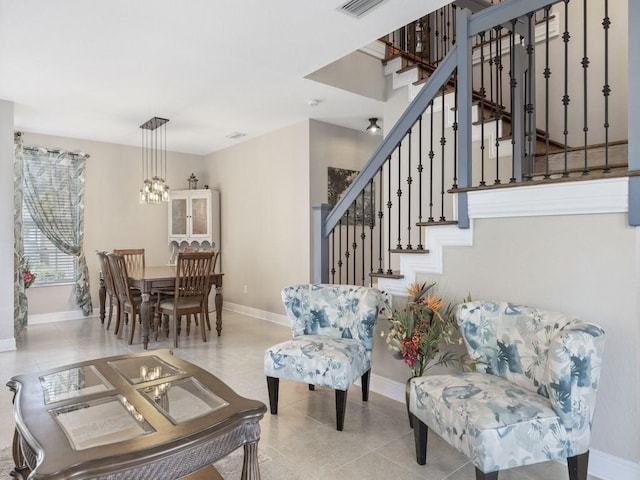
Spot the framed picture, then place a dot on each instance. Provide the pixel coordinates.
(339, 180)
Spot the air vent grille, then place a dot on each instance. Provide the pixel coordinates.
(357, 8)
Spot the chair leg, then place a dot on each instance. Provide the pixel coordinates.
(341, 406)
(203, 331)
(272, 386)
(176, 323)
(117, 327)
(110, 311)
(133, 328)
(420, 434)
(206, 316)
(364, 380)
(480, 475)
(578, 466)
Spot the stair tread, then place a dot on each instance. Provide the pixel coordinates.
(395, 276)
(436, 223)
(409, 250)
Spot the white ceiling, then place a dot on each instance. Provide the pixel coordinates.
(98, 69)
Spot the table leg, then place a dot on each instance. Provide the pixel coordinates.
(102, 294)
(250, 467)
(218, 302)
(145, 315)
(20, 470)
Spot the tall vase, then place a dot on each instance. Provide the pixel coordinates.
(407, 394)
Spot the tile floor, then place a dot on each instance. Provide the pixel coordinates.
(301, 441)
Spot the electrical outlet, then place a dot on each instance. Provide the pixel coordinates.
(246, 290)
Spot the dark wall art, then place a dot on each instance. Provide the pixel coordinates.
(339, 181)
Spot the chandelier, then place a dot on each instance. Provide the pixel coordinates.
(154, 161)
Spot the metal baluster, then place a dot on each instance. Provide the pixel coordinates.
(483, 94)
(606, 89)
(347, 254)
(547, 75)
(528, 109)
(437, 40)
(354, 245)
(389, 205)
(363, 236)
(492, 102)
(399, 195)
(585, 66)
(565, 98)
(420, 169)
(454, 14)
(431, 155)
(445, 30)
(340, 251)
(455, 128)
(409, 182)
(512, 96)
(372, 224)
(333, 256)
(498, 104)
(443, 143)
(380, 217)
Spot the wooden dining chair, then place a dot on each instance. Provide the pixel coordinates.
(133, 257)
(129, 301)
(214, 261)
(111, 297)
(189, 294)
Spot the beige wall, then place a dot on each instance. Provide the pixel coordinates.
(113, 216)
(6, 217)
(264, 197)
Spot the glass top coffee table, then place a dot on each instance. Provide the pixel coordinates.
(146, 416)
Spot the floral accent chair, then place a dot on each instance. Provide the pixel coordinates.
(531, 398)
(333, 328)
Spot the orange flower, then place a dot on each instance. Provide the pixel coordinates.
(414, 289)
(434, 302)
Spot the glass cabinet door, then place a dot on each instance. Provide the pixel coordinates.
(199, 216)
(179, 217)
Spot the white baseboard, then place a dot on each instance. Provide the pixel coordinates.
(609, 467)
(7, 344)
(57, 317)
(261, 314)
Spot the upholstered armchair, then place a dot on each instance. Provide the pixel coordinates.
(333, 328)
(531, 398)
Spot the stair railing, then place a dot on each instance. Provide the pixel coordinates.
(432, 144)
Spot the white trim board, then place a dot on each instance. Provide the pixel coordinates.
(568, 198)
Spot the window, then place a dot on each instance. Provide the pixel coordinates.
(50, 265)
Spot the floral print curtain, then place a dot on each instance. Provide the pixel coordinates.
(19, 295)
(55, 213)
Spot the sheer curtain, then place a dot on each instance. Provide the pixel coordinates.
(19, 295)
(59, 211)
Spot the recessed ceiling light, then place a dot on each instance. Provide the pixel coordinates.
(235, 135)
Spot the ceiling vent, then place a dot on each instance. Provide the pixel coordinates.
(357, 8)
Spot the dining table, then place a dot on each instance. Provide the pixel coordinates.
(159, 276)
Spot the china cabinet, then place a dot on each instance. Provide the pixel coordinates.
(194, 217)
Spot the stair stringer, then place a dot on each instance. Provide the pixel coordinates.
(436, 238)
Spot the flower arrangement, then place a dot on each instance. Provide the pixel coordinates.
(27, 275)
(418, 333)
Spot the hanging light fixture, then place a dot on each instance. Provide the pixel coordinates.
(373, 127)
(154, 161)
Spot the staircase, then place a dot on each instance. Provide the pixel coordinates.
(462, 132)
